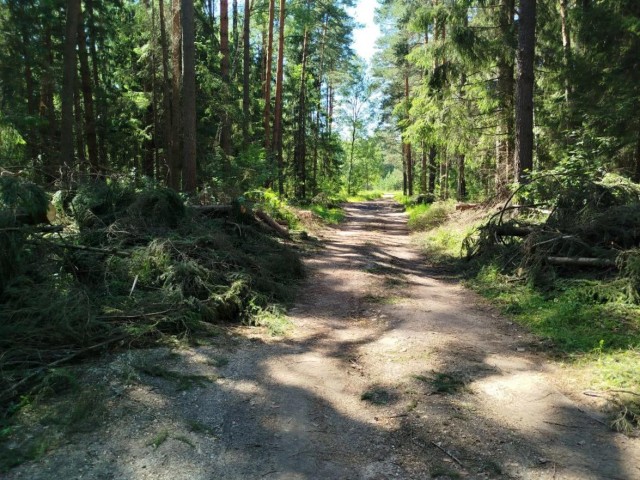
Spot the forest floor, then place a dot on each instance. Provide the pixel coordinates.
(390, 370)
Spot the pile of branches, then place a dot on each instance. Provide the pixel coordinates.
(566, 223)
(126, 265)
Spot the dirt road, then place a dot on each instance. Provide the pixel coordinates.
(390, 372)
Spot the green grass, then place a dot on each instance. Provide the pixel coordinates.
(366, 196)
(274, 320)
(331, 216)
(425, 217)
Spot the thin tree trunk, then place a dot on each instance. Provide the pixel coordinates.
(405, 179)
(166, 91)
(423, 170)
(68, 86)
(277, 124)
(100, 108)
(175, 164)
(79, 137)
(300, 153)
(189, 97)
(524, 89)
(566, 49)
(505, 136)
(154, 94)
(267, 81)
(462, 182)
(246, 71)
(433, 170)
(225, 135)
(87, 95)
(48, 135)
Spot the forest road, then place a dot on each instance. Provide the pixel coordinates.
(392, 371)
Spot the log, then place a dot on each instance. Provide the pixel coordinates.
(513, 231)
(581, 262)
(213, 210)
(461, 207)
(275, 226)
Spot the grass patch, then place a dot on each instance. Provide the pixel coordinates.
(329, 215)
(377, 396)
(366, 196)
(274, 320)
(159, 438)
(180, 380)
(425, 217)
(201, 428)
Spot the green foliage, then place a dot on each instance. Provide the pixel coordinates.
(426, 217)
(143, 282)
(331, 216)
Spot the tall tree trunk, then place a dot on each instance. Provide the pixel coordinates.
(405, 177)
(277, 123)
(433, 170)
(300, 152)
(68, 85)
(48, 134)
(79, 137)
(423, 170)
(267, 81)
(462, 181)
(87, 96)
(566, 49)
(175, 163)
(166, 92)
(246, 72)
(225, 134)
(505, 135)
(409, 160)
(152, 172)
(524, 89)
(101, 125)
(189, 97)
(352, 150)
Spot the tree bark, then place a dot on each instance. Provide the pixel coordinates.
(47, 112)
(524, 89)
(225, 135)
(246, 72)
(300, 153)
(433, 170)
(277, 123)
(87, 96)
(267, 81)
(566, 49)
(505, 135)
(462, 182)
(175, 164)
(189, 97)
(166, 91)
(423, 170)
(68, 84)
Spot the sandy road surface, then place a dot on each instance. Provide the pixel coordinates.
(390, 372)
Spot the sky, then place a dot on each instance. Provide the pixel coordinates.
(365, 38)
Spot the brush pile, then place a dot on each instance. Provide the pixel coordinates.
(565, 224)
(132, 265)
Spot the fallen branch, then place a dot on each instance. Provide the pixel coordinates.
(7, 393)
(453, 457)
(592, 393)
(275, 226)
(581, 261)
(213, 210)
(31, 229)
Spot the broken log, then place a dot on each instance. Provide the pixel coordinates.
(581, 262)
(461, 207)
(213, 210)
(513, 231)
(275, 226)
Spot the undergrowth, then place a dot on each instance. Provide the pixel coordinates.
(134, 266)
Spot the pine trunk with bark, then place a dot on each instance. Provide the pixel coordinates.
(277, 123)
(246, 72)
(524, 89)
(67, 159)
(267, 81)
(225, 134)
(189, 98)
(87, 96)
(175, 163)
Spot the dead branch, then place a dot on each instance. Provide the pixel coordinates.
(275, 226)
(581, 262)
